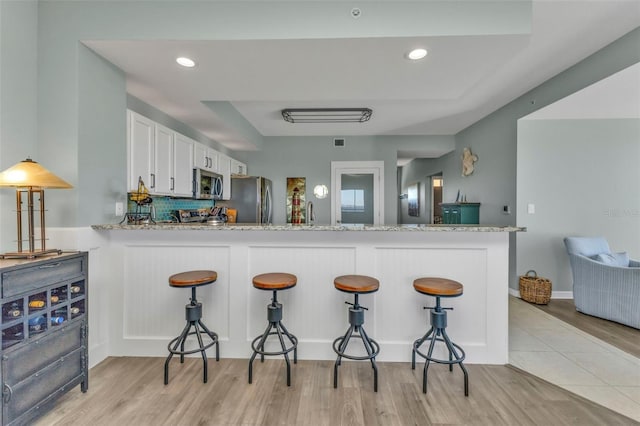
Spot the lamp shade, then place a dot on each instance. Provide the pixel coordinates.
(29, 173)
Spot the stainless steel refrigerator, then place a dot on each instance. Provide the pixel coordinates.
(251, 197)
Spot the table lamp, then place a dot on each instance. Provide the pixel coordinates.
(29, 178)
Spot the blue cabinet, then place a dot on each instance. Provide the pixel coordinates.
(460, 213)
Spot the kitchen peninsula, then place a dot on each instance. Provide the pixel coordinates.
(147, 313)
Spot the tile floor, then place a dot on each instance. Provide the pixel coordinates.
(572, 359)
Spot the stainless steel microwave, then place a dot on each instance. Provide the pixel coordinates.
(207, 185)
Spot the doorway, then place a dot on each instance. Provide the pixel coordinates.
(437, 184)
(358, 192)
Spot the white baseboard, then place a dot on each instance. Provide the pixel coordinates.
(554, 294)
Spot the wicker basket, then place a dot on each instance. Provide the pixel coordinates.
(535, 289)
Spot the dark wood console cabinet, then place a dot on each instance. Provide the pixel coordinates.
(44, 333)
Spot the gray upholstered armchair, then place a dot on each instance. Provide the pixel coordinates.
(602, 285)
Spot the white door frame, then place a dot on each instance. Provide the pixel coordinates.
(376, 168)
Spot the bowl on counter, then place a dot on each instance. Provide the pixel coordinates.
(215, 221)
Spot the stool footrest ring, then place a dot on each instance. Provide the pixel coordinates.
(293, 339)
(375, 346)
(458, 358)
(214, 340)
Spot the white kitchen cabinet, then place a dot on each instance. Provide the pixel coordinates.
(182, 166)
(224, 169)
(162, 175)
(162, 157)
(140, 149)
(206, 158)
(238, 168)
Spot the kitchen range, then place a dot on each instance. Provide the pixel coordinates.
(212, 216)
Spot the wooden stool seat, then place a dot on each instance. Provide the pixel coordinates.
(438, 287)
(356, 284)
(192, 278)
(274, 281)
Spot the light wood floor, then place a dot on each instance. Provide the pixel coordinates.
(130, 391)
(621, 336)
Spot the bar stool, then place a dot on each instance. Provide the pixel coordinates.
(356, 285)
(438, 288)
(193, 315)
(273, 282)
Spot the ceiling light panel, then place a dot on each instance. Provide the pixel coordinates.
(326, 115)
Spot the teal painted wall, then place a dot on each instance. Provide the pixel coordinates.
(18, 102)
(311, 157)
(101, 176)
(494, 138)
(582, 176)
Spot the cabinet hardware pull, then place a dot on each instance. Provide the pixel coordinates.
(172, 183)
(50, 265)
(153, 180)
(7, 393)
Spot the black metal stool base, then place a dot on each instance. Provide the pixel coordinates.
(193, 313)
(435, 334)
(275, 328)
(356, 319)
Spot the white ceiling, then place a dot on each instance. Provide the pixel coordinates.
(463, 79)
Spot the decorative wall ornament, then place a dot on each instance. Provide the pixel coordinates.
(467, 161)
(296, 194)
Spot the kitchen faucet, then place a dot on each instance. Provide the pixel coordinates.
(311, 216)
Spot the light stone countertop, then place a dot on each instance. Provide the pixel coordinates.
(289, 227)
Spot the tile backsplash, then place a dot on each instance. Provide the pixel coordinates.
(165, 206)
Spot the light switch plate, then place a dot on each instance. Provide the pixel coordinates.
(119, 208)
(531, 208)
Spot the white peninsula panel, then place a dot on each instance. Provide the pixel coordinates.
(145, 312)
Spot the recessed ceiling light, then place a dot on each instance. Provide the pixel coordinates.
(416, 54)
(186, 62)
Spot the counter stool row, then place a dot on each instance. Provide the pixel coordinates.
(352, 284)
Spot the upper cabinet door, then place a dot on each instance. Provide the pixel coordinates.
(238, 168)
(182, 166)
(140, 150)
(205, 158)
(200, 156)
(161, 178)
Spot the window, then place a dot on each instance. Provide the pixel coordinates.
(352, 200)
